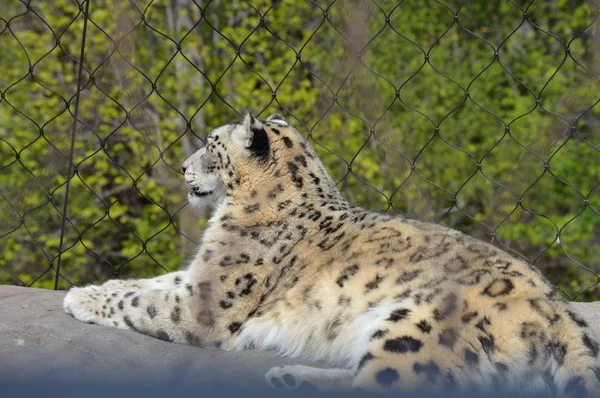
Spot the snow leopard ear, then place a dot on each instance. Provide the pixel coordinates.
(243, 135)
(252, 136)
(276, 118)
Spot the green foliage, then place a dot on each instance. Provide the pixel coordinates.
(417, 114)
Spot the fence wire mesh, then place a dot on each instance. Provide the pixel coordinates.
(479, 115)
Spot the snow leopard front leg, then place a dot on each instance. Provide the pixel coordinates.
(161, 313)
(208, 307)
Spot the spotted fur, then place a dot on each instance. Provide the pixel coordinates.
(287, 264)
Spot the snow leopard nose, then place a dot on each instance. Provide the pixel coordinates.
(189, 161)
(186, 164)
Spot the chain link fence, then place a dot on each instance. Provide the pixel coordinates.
(480, 115)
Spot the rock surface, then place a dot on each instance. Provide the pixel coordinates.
(38, 341)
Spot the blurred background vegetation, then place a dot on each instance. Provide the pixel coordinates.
(482, 115)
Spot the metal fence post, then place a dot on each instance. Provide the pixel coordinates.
(72, 148)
